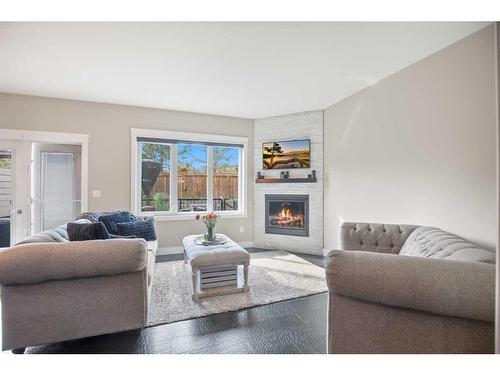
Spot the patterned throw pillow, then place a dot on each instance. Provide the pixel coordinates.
(90, 216)
(95, 215)
(87, 232)
(111, 220)
(115, 236)
(141, 229)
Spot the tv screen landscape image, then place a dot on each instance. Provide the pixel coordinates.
(286, 154)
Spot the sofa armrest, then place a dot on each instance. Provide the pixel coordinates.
(439, 286)
(38, 262)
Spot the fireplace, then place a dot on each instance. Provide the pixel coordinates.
(287, 214)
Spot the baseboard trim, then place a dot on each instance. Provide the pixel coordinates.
(179, 249)
(246, 244)
(169, 250)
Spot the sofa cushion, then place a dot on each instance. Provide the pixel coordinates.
(111, 220)
(430, 242)
(141, 229)
(87, 232)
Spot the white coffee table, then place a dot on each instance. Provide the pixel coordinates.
(215, 270)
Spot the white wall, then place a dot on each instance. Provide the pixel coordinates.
(418, 147)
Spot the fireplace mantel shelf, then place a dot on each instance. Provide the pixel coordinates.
(285, 180)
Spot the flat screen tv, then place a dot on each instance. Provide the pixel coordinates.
(286, 154)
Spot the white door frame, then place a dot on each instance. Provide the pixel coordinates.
(28, 136)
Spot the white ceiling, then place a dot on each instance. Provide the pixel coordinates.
(250, 70)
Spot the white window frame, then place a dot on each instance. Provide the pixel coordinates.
(135, 177)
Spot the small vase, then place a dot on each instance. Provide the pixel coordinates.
(210, 235)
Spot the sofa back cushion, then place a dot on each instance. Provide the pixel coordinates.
(430, 242)
(381, 238)
(59, 234)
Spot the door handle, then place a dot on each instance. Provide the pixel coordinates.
(19, 212)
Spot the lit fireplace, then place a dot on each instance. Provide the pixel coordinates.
(287, 214)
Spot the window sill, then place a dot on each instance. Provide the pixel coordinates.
(191, 216)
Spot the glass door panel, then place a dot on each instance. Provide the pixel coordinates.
(58, 190)
(14, 182)
(56, 185)
(5, 197)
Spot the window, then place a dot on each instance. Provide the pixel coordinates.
(155, 176)
(226, 182)
(192, 177)
(179, 174)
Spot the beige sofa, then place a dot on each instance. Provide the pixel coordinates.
(409, 289)
(59, 291)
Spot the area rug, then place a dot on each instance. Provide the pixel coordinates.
(274, 276)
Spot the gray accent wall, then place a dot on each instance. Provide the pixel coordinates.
(304, 125)
(109, 149)
(419, 147)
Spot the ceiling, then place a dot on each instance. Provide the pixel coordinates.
(249, 70)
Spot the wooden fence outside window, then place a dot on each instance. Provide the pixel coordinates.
(192, 191)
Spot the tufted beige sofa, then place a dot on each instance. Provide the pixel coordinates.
(409, 289)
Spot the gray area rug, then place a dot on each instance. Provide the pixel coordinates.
(274, 276)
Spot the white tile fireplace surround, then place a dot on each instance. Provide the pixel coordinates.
(305, 125)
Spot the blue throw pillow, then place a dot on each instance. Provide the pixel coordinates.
(115, 236)
(87, 232)
(110, 221)
(94, 216)
(141, 229)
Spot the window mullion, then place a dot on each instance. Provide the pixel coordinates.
(173, 179)
(138, 178)
(210, 178)
(241, 180)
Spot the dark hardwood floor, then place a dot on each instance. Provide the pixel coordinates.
(293, 326)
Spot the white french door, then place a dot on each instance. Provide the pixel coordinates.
(43, 181)
(56, 185)
(14, 191)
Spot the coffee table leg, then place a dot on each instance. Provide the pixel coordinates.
(245, 277)
(195, 285)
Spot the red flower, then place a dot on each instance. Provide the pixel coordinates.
(197, 217)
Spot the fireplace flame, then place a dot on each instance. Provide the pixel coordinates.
(286, 217)
(286, 213)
